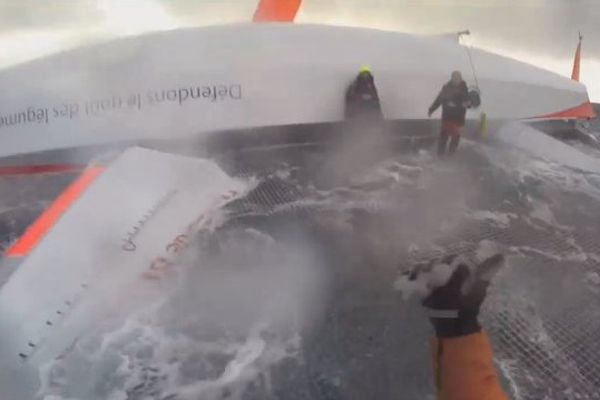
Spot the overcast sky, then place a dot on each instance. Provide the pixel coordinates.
(543, 32)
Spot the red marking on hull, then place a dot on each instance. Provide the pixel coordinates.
(277, 10)
(52, 214)
(582, 111)
(39, 169)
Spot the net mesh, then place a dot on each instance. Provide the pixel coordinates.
(542, 312)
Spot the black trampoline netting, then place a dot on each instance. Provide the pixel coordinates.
(363, 231)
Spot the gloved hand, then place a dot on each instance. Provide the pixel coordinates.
(429, 112)
(454, 307)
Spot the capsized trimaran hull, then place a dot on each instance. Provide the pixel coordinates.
(190, 82)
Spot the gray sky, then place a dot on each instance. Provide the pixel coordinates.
(543, 32)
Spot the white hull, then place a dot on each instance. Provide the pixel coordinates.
(124, 232)
(250, 75)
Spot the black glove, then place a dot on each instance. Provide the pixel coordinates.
(454, 307)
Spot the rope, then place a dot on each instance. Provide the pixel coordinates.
(468, 48)
(483, 124)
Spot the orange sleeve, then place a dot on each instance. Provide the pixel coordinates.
(464, 369)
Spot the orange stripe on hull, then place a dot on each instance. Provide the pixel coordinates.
(582, 111)
(52, 214)
(276, 10)
(39, 169)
